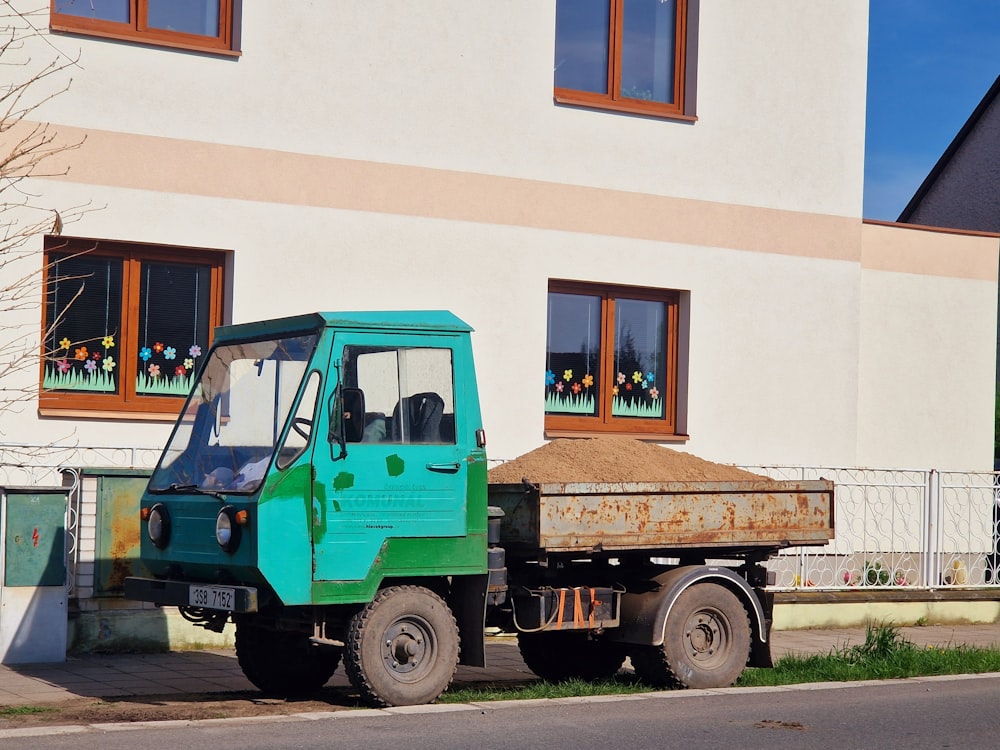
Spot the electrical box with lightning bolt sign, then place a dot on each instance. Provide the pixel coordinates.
(33, 583)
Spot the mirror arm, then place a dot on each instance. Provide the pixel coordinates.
(336, 418)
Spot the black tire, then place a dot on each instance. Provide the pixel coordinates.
(559, 656)
(706, 642)
(402, 647)
(284, 663)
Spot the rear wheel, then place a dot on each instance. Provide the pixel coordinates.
(706, 642)
(402, 647)
(282, 662)
(560, 656)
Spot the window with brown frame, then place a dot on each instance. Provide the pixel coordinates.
(628, 55)
(125, 325)
(611, 359)
(208, 25)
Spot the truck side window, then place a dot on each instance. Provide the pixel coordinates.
(409, 392)
(297, 438)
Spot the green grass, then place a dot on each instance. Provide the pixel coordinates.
(24, 710)
(539, 689)
(885, 654)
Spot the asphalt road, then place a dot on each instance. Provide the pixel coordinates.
(908, 715)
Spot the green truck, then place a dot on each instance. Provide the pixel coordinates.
(325, 489)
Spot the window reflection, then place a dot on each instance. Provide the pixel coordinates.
(581, 61)
(103, 10)
(199, 17)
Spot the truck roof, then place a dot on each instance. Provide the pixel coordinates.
(440, 321)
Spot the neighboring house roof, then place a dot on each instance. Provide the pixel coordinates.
(963, 189)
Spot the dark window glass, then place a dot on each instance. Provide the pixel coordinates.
(640, 359)
(199, 17)
(572, 374)
(174, 300)
(648, 50)
(84, 305)
(582, 45)
(102, 10)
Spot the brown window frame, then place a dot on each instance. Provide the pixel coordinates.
(682, 106)
(127, 403)
(605, 423)
(138, 30)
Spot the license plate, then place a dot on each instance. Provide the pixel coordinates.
(212, 597)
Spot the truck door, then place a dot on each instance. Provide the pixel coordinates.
(404, 475)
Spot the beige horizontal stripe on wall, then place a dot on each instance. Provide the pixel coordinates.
(930, 251)
(171, 165)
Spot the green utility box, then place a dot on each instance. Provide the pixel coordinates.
(33, 601)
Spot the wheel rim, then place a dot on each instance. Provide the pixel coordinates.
(707, 638)
(408, 648)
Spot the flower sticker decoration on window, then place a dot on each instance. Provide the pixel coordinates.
(567, 375)
(109, 364)
(161, 374)
(80, 369)
(550, 377)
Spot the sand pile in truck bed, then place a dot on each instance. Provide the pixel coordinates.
(612, 459)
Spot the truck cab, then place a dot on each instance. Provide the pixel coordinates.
(317, 458)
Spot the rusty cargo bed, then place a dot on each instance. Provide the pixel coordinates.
(663, 516)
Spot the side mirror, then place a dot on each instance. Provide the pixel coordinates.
(353, 400)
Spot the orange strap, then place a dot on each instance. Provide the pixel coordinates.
(562, 608)
(577, 609)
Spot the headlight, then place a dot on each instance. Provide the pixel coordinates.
(158, 525)
(227, 529)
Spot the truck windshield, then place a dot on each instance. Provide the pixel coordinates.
(230, 427)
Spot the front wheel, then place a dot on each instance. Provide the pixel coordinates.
(402, 647)
(706, 642)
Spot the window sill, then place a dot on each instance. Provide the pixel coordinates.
(121, 416)
(635, 108)
(649, 437)
(147, 41)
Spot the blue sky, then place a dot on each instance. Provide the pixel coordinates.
(929, 64)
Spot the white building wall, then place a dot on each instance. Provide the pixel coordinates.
(927, 342)
(468, 86)
(384, 155)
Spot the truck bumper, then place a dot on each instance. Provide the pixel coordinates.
(238, 599)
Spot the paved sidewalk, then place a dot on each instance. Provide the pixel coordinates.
(186, 672)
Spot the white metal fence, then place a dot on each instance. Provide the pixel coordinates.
(916, 528)
(894, 528)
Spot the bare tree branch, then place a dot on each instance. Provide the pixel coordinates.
(27, 147)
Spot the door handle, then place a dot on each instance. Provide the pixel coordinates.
(446, 468)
